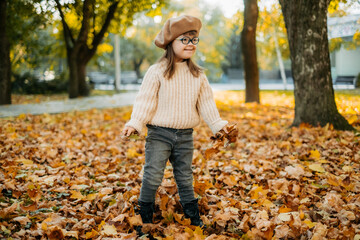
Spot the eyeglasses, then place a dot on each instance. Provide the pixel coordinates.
(187, 40)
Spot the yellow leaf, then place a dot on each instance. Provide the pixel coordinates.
(44, 226)
(66, 180)
(268, 204)
(257, 192)
(309, 223)
(353, 119)
(76, 195)
(25, 161)
(91, 234)
(22, 116)
(91, 196)
(347, 168)
(132, 153)
(298, 143)
(316, 167)
(315, 154)
(305, 200)
(109, 230)
(302, 214)
(101, 224)
(107, 116)
(235, 163)
(198, 233)
(83, 131)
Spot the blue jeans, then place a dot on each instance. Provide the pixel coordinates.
(163, 144)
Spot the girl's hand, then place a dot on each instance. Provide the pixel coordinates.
(128, 131)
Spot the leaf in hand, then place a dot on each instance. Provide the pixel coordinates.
(134, 137)
(229, 133)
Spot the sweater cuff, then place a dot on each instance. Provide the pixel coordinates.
(218, 125)
(135, 124)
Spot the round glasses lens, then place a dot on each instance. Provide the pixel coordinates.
(195, 41)
(185, 40)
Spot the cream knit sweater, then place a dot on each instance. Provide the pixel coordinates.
(174, 103)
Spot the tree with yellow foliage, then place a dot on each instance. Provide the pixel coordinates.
(86, 23)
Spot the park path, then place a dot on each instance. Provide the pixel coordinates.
(79, 104)
(122, 99)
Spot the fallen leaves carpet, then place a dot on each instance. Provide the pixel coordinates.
(72, 176)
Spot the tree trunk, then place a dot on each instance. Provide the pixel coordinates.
(73, 77)
(248, 41)
(137, 65)
(83, 87)
(306, 24)
(78, 52)
(5, 67)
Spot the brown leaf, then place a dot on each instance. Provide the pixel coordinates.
(22, 220)
(9, 210)
(55, 233)
(135, 220)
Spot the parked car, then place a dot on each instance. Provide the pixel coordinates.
(129, 77)
(101, 78)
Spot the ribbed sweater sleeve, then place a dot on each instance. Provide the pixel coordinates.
(207, 107)
(146, 101)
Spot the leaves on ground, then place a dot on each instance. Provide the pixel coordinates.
(73, 176)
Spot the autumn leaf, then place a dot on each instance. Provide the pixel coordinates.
(201, 187)
(55, 233)
(108, 230)
(93, 233)
(229, 133)
(135, 220)
(180, 219)
(317, 167)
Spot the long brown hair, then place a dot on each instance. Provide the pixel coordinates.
(169, 55)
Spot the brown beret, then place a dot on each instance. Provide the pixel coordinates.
(174, 27)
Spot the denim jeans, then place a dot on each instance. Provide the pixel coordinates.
(163, 144)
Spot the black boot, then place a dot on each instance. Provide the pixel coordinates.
(146, 212)
(191, 210)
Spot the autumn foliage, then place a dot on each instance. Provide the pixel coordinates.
(72, 176)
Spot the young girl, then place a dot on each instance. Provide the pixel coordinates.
(173, 95)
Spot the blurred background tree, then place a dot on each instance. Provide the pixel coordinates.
(24, 23)
(85, 24)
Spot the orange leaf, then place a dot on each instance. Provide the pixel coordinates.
(91, 234)
(179, 219)
(135, 221)
(284, 209)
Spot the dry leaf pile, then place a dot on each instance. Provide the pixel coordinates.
(72, 176)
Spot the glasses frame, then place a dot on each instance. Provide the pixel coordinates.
(190, 40)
